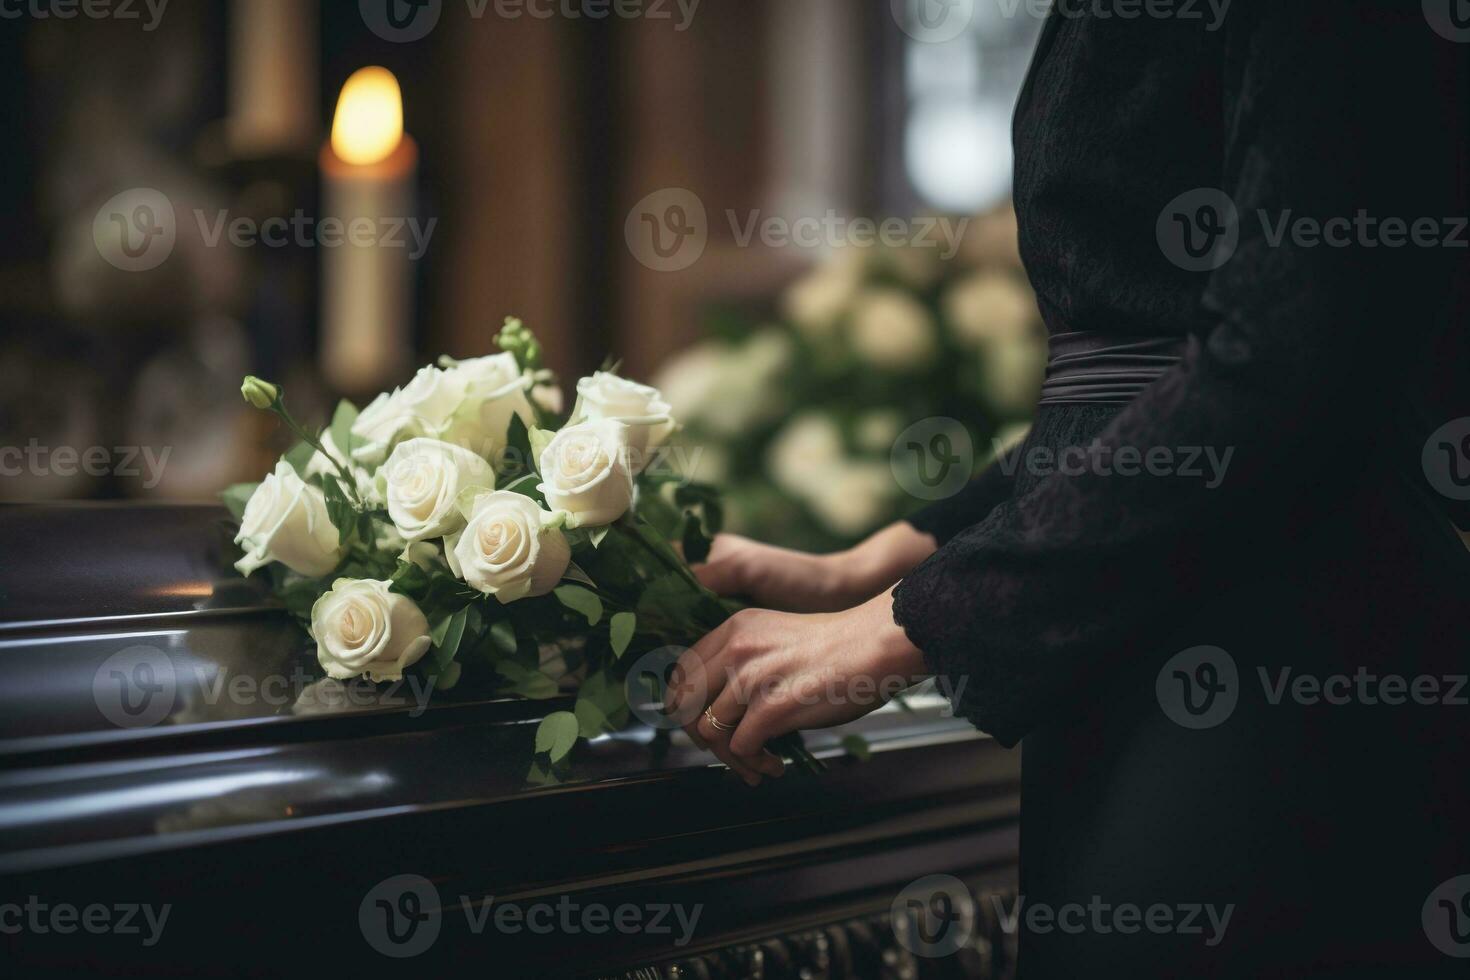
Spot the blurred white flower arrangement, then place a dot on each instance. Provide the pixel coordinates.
(796, 418)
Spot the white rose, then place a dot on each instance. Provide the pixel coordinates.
(642, 409)
(876, 430)
(1013, 373)
(547, 396)
(585, 472)
(817, 301)
(286, 520)
(801, 455)
(492, 389)
(360, 627)
(690, 378)
(510, 548)
(423, 407)
(918, 266)
(854, 498)
(422, 481)
(321, 464)
(991, 307)
(892, 330)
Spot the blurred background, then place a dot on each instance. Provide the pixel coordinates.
(196, 191)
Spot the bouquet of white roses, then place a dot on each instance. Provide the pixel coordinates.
(797, 415)
(453, 528)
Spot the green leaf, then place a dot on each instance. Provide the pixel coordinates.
(591, 722)
(444, 678)
(448, 636)
(857, 747)
(538, 440)
(707, 499)
(654, 509)
(298, 456)
(526, 682)
(574, 573)
(503, 637)
(714, 517)
(606, 692)
(410, 580)
(341, 428)
(597, 534)
(621, 630)
(339, 508)
(556, 734)
(696, 542)
(580, 600)
(236, 497)
(518, 445)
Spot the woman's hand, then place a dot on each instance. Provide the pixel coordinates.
(764, 674)
(779, 578)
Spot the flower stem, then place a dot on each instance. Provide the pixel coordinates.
(279, 407)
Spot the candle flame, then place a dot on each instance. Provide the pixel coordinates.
(368, 125)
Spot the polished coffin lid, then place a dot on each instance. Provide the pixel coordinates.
(164, 736)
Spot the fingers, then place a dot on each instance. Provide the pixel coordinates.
(695, 679)
(724, 576)
(700, 678)
(743, 735)
(718, 740)
(727, 571)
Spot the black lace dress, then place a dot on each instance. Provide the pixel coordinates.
(1315, 368)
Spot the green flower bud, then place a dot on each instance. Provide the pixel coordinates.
(516, 339)
(261, 394)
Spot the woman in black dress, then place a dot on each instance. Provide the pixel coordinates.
(1146, 630)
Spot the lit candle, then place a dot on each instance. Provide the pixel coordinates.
(368, 170)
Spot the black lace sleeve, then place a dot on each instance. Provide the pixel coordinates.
(943, 519)
(1332, 109)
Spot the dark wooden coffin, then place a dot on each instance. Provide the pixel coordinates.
(163, 745)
